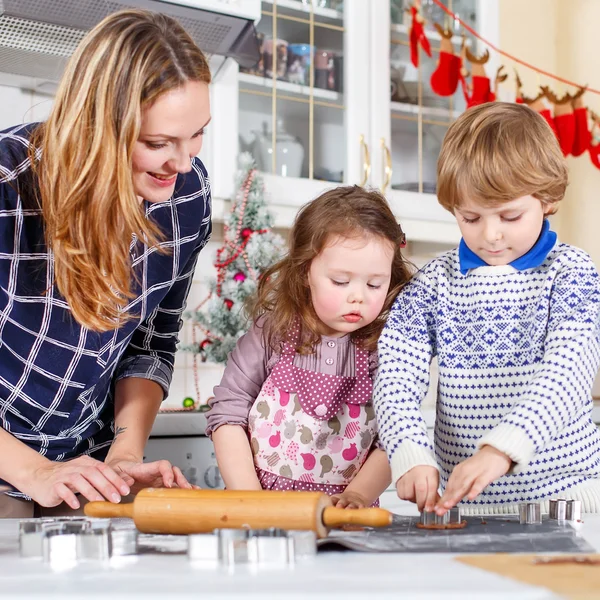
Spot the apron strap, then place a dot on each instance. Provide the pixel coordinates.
(362, 361)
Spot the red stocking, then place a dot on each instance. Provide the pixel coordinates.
(481, 91)
(547, 114)
(565, 128)
(417, 35)
(444, 80)
(582, 133)
(594, 152)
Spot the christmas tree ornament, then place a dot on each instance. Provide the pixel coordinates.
(246, 232)
(188, 402)
(228, 303)
(239, 276)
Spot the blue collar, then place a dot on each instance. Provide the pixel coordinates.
(534, 258)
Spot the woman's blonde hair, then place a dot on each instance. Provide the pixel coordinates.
(284, 294)
(497, 152)
(84, 176)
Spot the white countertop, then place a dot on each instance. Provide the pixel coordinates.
(344, 575)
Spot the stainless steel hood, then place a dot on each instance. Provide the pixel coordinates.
(38, 36)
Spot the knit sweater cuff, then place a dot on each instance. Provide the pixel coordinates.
(514, 442)
(409, 455)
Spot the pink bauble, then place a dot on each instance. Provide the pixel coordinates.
(239, 276)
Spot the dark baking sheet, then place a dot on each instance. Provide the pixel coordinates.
(481, 535)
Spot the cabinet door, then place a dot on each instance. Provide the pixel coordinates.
(303, 108)
(408, 120)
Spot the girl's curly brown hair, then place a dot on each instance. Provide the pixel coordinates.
(283, 294)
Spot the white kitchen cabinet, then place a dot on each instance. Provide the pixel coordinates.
(349, 129)
(338, 114)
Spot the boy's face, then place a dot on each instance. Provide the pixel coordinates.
(501, 234)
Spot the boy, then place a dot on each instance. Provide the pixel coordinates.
(513, 317)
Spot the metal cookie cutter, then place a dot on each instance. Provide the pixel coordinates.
(530, 513)
(261, 548)
(73, 539)
(565, 510)
(558, 509)
(431, 519)
(574, 510)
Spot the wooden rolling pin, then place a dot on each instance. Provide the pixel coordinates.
(179, 511)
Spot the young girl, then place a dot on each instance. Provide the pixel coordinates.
(293, 410)
(103, 211)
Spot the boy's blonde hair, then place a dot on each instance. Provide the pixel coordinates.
(497, 152)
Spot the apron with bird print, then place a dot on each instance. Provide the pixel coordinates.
(313, 427)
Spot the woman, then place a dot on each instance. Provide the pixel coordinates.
(103, 211)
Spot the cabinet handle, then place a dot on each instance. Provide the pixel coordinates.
(366, 161)
(387, 169)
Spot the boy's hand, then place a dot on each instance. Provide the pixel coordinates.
(349, 500)
(420, 485)
(472, 476)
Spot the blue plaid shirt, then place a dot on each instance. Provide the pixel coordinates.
(57, 378)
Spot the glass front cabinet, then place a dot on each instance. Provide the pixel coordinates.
(336, 99)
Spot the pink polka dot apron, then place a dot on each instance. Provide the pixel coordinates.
(310, 427)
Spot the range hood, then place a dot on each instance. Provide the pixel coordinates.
(38, 36)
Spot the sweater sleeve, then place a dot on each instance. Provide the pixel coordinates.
(561, 386)
(406, 348)
(246, 371)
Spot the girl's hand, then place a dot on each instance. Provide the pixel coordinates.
(56, 482)
(349, 500)
(420, 485)
(472, 476)
(159, 473)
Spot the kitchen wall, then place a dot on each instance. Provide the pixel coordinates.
(561, 36)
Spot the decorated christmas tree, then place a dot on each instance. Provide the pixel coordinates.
(249, 247)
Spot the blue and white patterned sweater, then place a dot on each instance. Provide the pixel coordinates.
(518, 351)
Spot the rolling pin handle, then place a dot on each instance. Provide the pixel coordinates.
(369, 517)
(107, 510)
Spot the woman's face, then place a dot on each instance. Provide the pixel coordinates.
(170, 136)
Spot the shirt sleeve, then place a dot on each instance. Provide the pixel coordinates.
(406, 348)
(561, 387)
(246, 370)
(151, 351)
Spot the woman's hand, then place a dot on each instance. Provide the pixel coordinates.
(142, 475)
(56, 482)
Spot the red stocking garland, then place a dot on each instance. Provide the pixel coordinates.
(444, 80)
(417, 34)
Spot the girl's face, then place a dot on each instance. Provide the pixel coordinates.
(349, 281)
(170, 136)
